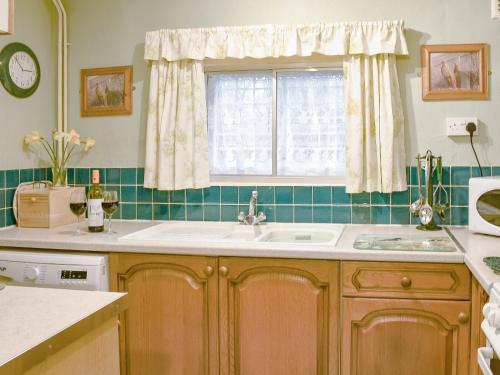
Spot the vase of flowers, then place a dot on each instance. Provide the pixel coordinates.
(60, 149)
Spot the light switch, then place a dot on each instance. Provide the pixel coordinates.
(456, 126)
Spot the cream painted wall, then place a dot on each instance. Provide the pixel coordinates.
(111, 32)
(35, 24)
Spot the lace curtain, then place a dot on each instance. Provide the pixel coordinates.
(177, 140)
(311, 128)
(240, 123)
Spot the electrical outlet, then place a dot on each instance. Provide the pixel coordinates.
(456, 126)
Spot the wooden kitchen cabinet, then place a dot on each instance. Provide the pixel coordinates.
(479, 298)
(403, 336)
(278, 316)
(405, 318)
(170, 327)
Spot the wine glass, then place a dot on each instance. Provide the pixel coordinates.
(110, 205)
(78, 205)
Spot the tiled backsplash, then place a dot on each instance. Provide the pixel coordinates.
(300, 204)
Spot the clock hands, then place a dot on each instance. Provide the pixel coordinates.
(18, 63)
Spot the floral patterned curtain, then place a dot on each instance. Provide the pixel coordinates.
(177, 140)
(375, 152)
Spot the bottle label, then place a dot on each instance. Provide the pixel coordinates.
(95, 176)
(95, 213)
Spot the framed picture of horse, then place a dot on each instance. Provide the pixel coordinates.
(106, 91)
(454, 71)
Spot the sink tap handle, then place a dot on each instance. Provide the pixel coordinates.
(241, 216)
(261, 217)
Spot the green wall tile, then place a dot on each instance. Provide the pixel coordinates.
(339, 195)
(160, 196)
(245, 193)
(194, 212)
(229, 212)
(361, 198)
(302, 214)
(160, 211)
(213, 193)
(284, 214)
(283, 194)
(178, 196)
(341, 214)
(322, 195)
(144, 211)
(266, 194)
(229, 194)
(26, 175)
(380, 215)
(12, 178)
(380, 198)
(401, 198)
(322, 214)
(211, 212)
(400, 215)
(112, 176)
(129, 211)
(194, 196)
(129, 193)
(128, 176)
(302, 195)
(360, 215)
(144, 194)
(178, 212)
(460, 176)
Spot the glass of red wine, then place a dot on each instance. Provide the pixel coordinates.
(78, 206)
(110, 204)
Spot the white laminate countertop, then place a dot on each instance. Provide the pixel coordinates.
(473, 246)
(31, 316)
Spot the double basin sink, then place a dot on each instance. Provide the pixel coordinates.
(310, 235)
(229, 232)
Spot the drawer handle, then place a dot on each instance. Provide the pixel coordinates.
(463, 317)
(405, 282)
(223, 270)
(33, 199)
(209, 270)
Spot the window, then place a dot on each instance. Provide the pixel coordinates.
(276, 125)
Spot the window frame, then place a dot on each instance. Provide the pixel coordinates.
(274, 68)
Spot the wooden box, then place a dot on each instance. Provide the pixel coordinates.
(45, 208)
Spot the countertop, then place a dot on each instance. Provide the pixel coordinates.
(35, 322)
(472, 247)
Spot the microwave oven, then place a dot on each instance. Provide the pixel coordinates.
(484, 205)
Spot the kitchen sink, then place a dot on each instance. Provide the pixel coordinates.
(298, 234)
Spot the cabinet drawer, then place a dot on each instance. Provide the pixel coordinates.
(406, 280)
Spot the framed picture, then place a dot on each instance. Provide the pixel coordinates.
(6, 17)
(106, 91)
(454, 71)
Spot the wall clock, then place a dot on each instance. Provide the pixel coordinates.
(19, 70)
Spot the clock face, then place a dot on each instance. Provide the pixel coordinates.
(22, 70)
(19, 70)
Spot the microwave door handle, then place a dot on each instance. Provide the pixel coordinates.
(483, 359)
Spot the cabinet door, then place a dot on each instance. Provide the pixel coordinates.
(170, 326)
(410, 337)
(278, 317)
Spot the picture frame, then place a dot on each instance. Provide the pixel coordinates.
(106, 91)
(454, 71)
(6, 17)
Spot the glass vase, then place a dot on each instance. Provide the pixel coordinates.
(59, 176)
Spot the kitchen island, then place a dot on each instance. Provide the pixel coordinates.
(59, 331)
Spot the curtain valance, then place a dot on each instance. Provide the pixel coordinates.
(333, 39)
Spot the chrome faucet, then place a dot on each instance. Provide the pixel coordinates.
(251, 218)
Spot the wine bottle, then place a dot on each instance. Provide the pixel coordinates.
(94, 204)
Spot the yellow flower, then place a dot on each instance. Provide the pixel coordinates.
(31, 138)
(73, 137)
(89, 143)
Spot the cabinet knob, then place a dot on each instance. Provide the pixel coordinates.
(223, 270)
(33, 199)
(405, 282)
(463, 317)
(209, 270)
